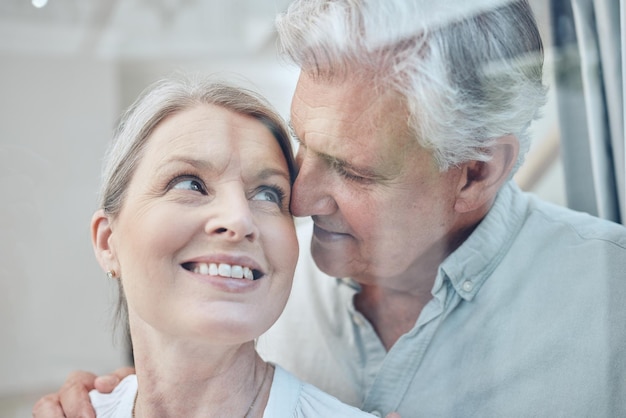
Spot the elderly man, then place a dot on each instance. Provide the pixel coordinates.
(445, 290)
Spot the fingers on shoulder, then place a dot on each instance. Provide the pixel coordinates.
(79, 378)
(107, 383)
(122, 372)
(48, 407)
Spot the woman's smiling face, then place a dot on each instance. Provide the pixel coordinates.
(205, 244)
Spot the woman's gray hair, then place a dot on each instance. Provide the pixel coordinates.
(167, 97)
(162, 99)
(469, 74)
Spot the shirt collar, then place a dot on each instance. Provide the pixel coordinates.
(472, 263)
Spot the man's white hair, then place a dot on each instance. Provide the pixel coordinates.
(470, 71)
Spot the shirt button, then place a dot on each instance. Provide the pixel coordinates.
(357, 319)
(376, 413)
(468, 286)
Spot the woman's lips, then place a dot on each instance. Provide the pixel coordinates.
(234, 271)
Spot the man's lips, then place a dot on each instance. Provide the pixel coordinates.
(327, 236)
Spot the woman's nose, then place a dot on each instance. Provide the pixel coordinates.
(232, 218)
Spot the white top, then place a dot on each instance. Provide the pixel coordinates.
(289, 397)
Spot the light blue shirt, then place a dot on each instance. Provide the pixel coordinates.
(527, 319)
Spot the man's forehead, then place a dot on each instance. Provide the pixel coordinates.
(357, 103)
(321, 89)
(351, 126)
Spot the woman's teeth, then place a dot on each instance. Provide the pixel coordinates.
(224, 270)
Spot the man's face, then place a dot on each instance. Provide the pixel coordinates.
(383, 211)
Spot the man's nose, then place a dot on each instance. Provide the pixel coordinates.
(312, 190)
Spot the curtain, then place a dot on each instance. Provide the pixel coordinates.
(589, 38)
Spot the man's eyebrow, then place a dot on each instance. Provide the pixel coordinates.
(292, 132)
(336, 162)
(344, 165)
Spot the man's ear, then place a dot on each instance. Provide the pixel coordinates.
(481, 180)
(101, 234)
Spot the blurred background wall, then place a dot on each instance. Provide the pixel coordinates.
(67, 71)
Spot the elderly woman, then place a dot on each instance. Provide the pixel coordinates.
(195, 226)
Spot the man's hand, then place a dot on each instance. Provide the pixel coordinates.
(72, 401)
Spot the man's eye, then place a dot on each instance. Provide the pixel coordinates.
(269, 194)
(352, 177)
(189, 184)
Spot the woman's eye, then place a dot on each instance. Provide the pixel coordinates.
(269, 195)
(189, 184)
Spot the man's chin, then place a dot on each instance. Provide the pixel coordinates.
(331, 262)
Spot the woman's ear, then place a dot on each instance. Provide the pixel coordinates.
(101, 234)
(481, 180)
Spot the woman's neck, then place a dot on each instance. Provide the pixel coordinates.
(187, 379)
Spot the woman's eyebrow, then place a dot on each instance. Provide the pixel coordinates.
(198, 163)
(272, 172)
(201, 164)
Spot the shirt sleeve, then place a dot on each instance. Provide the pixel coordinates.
(117, 404)
(291, 397)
